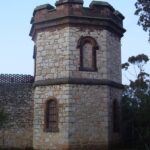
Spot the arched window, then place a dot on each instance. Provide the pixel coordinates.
(51, 116)
(88, 47)
(116, 122)
(87, 55)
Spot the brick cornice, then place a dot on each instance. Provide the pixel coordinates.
(77, 81)
(71, 12)
(71, 20)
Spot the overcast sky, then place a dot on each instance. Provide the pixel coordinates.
(17, 47)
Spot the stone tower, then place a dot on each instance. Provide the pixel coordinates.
(77, 88)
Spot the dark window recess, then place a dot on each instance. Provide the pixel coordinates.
(51, 116)
(34, 57)
(116, 121)
(88, 47)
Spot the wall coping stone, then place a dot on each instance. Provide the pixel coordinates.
(101, 3)
(60, 2)
(44, 6)
(16, 78)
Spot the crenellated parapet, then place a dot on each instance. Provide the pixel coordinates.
(99, 14)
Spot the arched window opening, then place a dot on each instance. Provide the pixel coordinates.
(116, 122)
(87, 55)
(51, 116)
(88, 47)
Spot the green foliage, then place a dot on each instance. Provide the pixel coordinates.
(125, 66)
(143, 11)
(136, 103)
(139, 60)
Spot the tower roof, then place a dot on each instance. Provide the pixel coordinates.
(60, 2)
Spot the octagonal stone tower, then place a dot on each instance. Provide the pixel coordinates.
(77, 88)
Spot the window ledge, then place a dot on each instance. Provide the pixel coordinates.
(88, 69)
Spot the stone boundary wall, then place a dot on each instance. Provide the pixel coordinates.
(17, 102)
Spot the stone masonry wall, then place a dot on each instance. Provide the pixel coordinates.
(59, 57)
(47, 140)
(17, 101)
(75, 34)
(108, 55)
(114, 57)
(52, 59)
(115, 94)
(88, 118)
(83, 117)
(84, 110)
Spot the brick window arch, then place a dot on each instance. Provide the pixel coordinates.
(116, 122)
(51, 115)
(88, 47)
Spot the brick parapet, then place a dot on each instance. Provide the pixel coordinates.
(98, 14)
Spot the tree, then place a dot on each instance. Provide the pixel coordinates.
(136, 102)
(143, 11)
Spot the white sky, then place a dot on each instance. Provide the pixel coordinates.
(17, 47)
